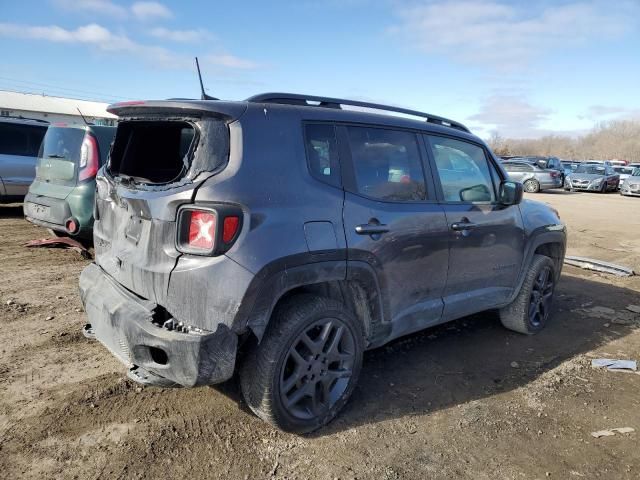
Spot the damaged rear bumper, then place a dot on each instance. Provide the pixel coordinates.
(124, 323)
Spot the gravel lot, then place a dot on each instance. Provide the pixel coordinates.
(463, 400)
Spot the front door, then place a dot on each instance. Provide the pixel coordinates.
(486, 239)
(393, 223)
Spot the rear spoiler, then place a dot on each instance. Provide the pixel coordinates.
(226, 110)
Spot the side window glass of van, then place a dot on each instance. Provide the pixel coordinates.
(463, 169)
(387, 164)
(322, 153)
(21, 140)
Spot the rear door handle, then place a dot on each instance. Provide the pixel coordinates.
(460, 226)
(371, 229)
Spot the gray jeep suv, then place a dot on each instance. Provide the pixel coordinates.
(282, 236)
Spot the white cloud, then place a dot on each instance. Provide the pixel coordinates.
(182, 36)
(604, 112)
(150, 11)
(102, 39)
(102, 7)
(511, 115)
(505, 34)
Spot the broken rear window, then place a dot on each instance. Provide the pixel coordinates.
(153, 152)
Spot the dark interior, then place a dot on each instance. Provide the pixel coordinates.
(151, 151)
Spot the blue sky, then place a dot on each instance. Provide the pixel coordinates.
(521, 68)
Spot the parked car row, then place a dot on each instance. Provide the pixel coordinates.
(52, 168)
(541, 173)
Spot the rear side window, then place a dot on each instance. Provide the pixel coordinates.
(386, 164)
(463, 169)
(322, 153)
(151, 151)
(21, 140)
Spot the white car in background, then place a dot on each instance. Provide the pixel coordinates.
(631, 186)
(624, 172)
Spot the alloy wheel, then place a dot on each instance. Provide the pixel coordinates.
(541, 297)
(317, 368)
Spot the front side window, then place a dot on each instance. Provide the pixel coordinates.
(322, 153)
(387, 164)
(463, 169)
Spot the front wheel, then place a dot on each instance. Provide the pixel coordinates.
(307, 365)
(531, 186)
(530, 310)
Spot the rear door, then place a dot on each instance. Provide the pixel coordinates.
(486, 239)
(393, 223)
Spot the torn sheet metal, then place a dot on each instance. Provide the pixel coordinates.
(599, 266)
(614, 364)
(60, 242)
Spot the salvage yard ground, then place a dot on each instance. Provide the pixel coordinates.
(464, 400)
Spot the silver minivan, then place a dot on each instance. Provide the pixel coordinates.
(20, 140)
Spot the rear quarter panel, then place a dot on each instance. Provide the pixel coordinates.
(268, 176)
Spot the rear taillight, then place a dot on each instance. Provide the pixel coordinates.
(230, 228)
(208, 231)
(88, 158)
(202, 230)
(554, 174)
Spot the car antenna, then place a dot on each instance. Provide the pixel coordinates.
(84, 119)
(204, 96)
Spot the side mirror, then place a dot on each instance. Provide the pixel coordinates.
(510, 193)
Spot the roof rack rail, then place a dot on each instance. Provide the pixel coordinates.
(328, 102)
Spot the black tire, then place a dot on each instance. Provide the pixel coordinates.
(531, 186)
(321, 379)
(530, 310)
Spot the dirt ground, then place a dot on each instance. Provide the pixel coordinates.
(463, 400)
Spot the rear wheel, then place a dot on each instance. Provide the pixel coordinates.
(307, 365)
(530, 310)
(531, 186)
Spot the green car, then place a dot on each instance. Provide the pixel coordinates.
(62, 195)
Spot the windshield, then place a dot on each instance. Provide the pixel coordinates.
(61, 142)
(590, 169)
(636, 172)
(623, 170)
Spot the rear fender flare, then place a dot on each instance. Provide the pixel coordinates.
(273, 281)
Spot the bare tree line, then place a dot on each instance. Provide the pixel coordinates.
(618, 139)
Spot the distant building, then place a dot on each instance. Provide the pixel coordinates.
(53, 109)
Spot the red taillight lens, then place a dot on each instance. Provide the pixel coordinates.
(208, 230)
(230, 228)
(88, 158)
(202, 230)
